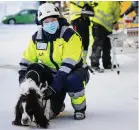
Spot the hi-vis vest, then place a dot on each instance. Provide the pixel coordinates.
(107, 13)
(76, 7)
(64, 54)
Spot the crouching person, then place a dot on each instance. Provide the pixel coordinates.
(59, 47)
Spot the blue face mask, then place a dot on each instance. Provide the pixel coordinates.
(51, 27)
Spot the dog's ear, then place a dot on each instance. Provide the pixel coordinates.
(41, 119)
(18, 114)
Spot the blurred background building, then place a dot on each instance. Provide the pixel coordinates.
(12, 7)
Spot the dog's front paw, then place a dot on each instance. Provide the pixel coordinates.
(16, 123)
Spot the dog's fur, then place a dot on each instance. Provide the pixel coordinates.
(30, 104)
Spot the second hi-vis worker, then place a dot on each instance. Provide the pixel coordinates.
(107, 14)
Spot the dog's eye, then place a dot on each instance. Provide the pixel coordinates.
(29, 111)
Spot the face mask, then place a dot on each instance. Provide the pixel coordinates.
(51, 27)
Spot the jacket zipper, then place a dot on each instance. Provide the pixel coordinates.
(51, 55)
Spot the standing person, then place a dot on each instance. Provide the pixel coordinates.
(59, 47)
(105, 19)
(81, 23)
(133, 7)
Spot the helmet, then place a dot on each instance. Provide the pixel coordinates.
(46, 10)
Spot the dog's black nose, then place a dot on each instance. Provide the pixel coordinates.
(25, 121)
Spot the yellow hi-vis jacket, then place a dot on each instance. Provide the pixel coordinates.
(76, 7)
(106, 13)
(64, 53)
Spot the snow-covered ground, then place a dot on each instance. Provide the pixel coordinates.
(111, 99)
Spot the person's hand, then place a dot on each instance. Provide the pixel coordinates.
(116, 26)
(55, 88)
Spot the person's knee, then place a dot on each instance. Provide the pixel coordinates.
(77, 80)
(74, 84)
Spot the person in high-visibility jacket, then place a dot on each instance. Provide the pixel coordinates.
(59, 47)
(81, 23)
(107, 14)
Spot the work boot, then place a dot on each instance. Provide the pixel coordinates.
(55, 114)
(97, 69)
(79, 115)
(110, 66)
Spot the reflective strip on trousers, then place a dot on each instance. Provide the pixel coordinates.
(79, 106)
(77, 94)
(78, 100)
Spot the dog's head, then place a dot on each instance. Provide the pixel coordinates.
(26, 104)
(30, 101)
(28, 108)
(37, 76)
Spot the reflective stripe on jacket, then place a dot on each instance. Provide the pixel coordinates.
(107, 13)
(76, 7)
(64, 53)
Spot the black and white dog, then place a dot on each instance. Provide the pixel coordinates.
(32, 104)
